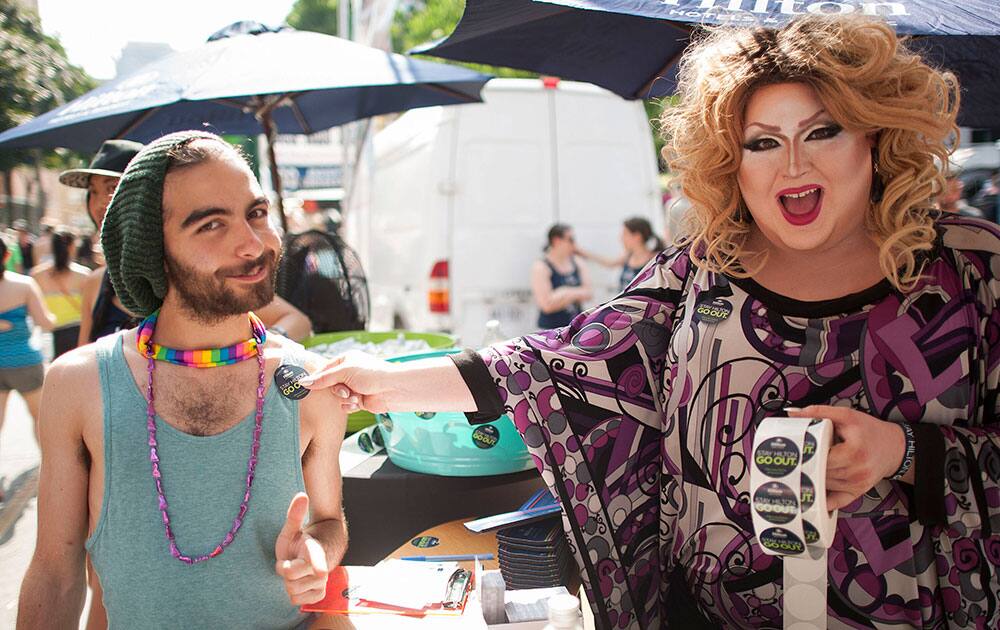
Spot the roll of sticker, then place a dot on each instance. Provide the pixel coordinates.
(789, 511)
(775, 485)
(819, 523)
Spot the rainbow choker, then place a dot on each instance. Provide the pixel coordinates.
(200, 358)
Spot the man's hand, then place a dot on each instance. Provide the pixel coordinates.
(301, 560)
(865, 451)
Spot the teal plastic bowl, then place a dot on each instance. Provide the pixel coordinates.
(444, 443)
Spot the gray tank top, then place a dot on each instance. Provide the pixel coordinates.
(203, 480)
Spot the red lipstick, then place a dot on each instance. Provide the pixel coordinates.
(801, 205)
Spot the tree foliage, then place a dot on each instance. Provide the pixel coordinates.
(416, 22)
(319, 16)
(35, 75)
(422, 21)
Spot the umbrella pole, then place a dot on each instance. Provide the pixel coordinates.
(271, 133)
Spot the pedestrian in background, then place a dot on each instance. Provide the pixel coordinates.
(21, 364)
(102, 313)
(25, 246)
(559, 280)
(62, 281)
(640, 244)
(952, 198)
(43, 244)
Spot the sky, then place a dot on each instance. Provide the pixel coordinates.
(93, 32)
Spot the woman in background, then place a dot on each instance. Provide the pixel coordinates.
(21, 364)
(640, 244)
(62, 282)
(559, 283)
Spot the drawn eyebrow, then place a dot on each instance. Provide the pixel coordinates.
(774, 129)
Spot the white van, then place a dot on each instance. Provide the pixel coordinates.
(461, 199)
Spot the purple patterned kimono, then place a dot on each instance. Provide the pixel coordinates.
(642, 428)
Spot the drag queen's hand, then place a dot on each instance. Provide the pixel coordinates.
(359, 380)
(865, 451)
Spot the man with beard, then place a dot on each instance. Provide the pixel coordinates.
(102, 313)
(195, 517)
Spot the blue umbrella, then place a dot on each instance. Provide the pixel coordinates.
(631, 47)
(250, 79)
(304, 82)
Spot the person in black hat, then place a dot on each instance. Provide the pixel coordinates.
(101, 311)
(101, 177)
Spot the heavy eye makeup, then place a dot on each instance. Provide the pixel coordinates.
(765, 143)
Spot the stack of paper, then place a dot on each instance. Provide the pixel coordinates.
(535, 555)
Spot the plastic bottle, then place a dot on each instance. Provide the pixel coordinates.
(564, 613)
(493, 334)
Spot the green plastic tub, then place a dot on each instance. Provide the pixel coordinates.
(444, 443)
(361, 419)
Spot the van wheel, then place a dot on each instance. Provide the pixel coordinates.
(397, 322)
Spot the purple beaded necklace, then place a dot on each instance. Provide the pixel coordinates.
(154, 459)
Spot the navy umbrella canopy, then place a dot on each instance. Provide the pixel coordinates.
(632, 47)
(304, 82)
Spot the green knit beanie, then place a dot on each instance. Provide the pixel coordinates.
(132, 235)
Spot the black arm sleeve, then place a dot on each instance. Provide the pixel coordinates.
(477, 378)
(928, 479)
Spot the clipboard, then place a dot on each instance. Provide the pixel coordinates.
(344, 583)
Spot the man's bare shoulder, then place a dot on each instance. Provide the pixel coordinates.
(74, 376)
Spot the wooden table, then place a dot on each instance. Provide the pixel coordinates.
(452, 539)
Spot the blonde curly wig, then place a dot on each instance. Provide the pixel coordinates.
(867, 79)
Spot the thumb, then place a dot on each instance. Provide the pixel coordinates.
(298, 509)
(316, 555)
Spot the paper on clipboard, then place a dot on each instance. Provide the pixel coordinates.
(346, 584)
(413, 585)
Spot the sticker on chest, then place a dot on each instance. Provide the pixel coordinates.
(713, 311)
